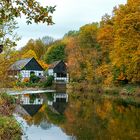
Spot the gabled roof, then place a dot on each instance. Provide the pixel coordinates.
(20, 64)
(54, 64)
(31, 109)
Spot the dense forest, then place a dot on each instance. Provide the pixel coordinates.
(105, 52)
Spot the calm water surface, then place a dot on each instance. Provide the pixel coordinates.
(81, 116)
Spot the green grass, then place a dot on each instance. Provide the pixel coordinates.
(127, 101)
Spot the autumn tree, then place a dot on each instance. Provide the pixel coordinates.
(89, 50)
(9, 11)
(35, 45)
(82, 53)
(125, 54)
(74, 59)
(105, 38)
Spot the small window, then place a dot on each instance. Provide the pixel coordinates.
(61, 75)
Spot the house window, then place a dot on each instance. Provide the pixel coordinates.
(61, 75)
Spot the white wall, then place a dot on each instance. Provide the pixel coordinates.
(50, 72)
(26, 73)
(65, 79)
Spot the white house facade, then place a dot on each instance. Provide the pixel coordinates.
(59, 71)
(25, 67)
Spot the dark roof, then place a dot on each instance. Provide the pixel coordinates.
(31, 109)
(20, 64)
(54, 64)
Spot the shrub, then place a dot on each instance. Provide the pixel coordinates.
(9, 129)
(6, 104)
(49, 81)
(34, 78)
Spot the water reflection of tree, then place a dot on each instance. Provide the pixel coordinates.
(39, 119)
(44, 118)
(95, 118)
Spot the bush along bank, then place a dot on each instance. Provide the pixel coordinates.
(9, 127)
(36, 82)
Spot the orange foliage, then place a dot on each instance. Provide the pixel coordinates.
(26, 80)
(43, 64)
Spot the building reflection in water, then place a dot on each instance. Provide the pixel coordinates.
(30, 104)
(59, 102)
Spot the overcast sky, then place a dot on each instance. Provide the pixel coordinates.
(69, 15)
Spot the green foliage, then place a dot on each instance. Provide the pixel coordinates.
(7, 98)
(34, 78)
(9, 128)
(49, 81)
(55, 52)
(55, 118)
(114, 92)
(127, 102)
(32, 98)
(19, 77)
(29, 84)
(35, 82)
(71, 34)
(50, 96)
(88, 34)
(130, 89)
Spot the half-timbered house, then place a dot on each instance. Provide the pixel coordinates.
(58, 69)
(26, 67)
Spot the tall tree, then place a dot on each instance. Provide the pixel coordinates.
(55, 52)
(47, 40)
(89, 49)
(37, 46)
(9, 10)
(105, 38)
(125, 54)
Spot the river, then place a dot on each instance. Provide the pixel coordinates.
(76, 116)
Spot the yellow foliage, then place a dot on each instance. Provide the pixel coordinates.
(43, 64)
(105, 72)
(42, 109)
(121, 76)
(103, 110)
(29, 54)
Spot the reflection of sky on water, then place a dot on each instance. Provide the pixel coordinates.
(37, 133)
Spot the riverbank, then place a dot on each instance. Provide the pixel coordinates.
(127, 93)
(9, 128)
